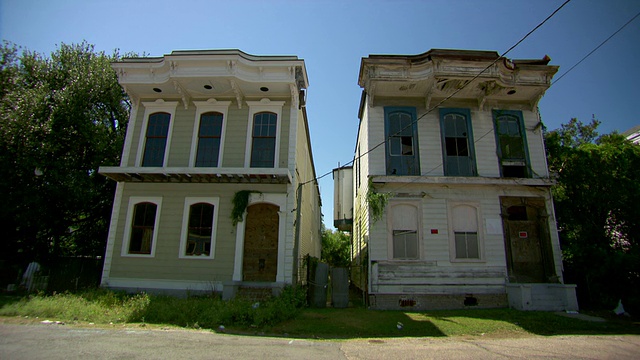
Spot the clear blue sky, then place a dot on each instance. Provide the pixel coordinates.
(332, 37)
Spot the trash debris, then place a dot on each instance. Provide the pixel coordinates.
(221, 328)
(255, 305)
(400, 325)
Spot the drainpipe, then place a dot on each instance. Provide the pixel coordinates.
(296, 242)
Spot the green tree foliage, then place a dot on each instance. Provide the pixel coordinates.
(597, 202)
(336, 248)
(61, 117)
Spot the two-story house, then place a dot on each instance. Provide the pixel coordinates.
(215, 190)
(450, 151)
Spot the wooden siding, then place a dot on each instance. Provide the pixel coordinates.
(166, 264)
(436, 237)
(235, 137)
(181, 138)
(310, 218)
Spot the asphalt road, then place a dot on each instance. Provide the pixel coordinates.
(70, 342)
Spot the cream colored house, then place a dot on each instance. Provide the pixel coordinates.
(205, 127)
(453, 140)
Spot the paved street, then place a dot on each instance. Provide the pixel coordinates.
(69, 342)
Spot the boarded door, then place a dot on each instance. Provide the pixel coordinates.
(527, 242)
(261, 243)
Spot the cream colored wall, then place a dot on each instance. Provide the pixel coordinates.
(310, 218)
(435, 248)
(430, 138)
(434, 200)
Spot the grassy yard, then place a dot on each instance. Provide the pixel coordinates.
(285, 316)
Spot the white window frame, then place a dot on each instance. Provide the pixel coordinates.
(257, 107)
(133, 201)
(149, 109)
(452, 236)
(205, 107)
(188, 201)
(417, 204)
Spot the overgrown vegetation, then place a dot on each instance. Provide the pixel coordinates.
(61, 117)
(287, 315)
(597, 202)
(336, 248)
(103, 306)
(240, 202)
(377, 202)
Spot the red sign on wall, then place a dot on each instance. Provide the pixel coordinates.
(523, 234)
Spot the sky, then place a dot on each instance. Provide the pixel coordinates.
(333, 36)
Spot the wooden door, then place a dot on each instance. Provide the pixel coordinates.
(261, 243)
(527, 243)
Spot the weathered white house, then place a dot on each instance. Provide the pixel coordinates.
(207, 127)
(450, 150)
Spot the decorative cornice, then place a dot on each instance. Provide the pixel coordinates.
(183, 94)
(237, 92)
(294, 95)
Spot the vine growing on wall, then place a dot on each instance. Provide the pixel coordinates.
(240, 202)
(377, 202)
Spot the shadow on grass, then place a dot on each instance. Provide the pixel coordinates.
(283, 318)
(362, 323)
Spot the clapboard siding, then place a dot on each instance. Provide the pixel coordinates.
(166, 263)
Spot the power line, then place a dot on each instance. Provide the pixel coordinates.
(447, 98)
(595, 49)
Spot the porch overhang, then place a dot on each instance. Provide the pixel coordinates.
(197, 175)
(462, 180)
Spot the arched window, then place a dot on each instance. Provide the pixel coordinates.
(263, 143)
(142, 228)
(457, 142)
(404, 232)
(199, 230)
(465, 229)
(156, 139)
(209, 135)
(402, 144)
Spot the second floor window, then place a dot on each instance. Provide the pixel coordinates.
(457, 142)
(156, 139)
(512, 144)
(209, 135)
(263, 142)
(402, 141)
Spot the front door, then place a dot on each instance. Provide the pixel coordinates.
(527, 241)
(261, 243)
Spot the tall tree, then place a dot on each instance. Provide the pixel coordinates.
(597, 202)
(61, 117)
(336, 248)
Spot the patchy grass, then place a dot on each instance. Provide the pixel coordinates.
(285, 316)
(363, 323)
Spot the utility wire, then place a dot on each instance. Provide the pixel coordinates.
(447, 98)
(595, 49)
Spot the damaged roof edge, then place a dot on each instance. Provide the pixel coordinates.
(452, 54)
